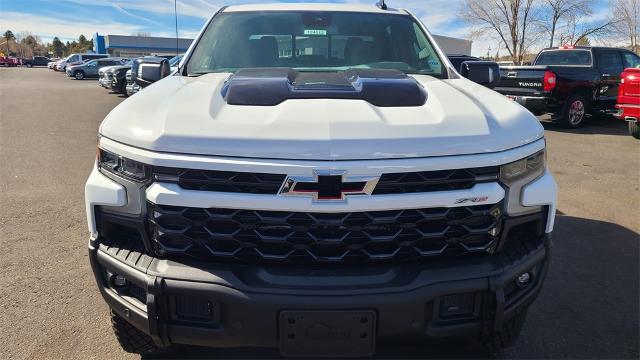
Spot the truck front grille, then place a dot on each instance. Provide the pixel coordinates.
(262, 183)
(223, 181)
(314, 238)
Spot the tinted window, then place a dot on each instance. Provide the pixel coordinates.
(610, 62)
(564, 57)
(631, 60)
(314, 41)
(457, 61)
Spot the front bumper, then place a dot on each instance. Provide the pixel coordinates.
(117, 84)
(223, 305)
(628, 112)
(104, 82)
(536, 104)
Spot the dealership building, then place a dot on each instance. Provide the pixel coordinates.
(133, 46)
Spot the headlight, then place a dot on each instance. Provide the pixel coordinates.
(518, 174)
(121, 166)
(529, 168)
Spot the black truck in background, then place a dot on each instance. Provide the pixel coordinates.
(569, 82)
(36, 61)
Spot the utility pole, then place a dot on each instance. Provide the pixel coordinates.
(175, 12)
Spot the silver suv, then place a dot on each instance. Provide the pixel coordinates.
(90, 68)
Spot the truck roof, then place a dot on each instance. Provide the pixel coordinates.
(368, 8)
(578, 48)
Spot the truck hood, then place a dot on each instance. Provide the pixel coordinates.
(189, 115)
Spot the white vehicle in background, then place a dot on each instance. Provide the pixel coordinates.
(318, 179)
(77, 59)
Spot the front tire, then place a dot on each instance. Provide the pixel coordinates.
(573, 112)
(130, 338)
(79, 75)
(29, 65)
(634, 129)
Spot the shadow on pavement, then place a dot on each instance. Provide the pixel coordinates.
(594, 125)
(588, 308)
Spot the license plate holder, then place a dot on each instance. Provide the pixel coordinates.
(322, 333)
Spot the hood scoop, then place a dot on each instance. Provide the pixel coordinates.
(272, 86)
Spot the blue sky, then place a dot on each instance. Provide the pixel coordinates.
(69, 18)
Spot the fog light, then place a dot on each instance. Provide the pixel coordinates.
(118, 281)
(524, 279)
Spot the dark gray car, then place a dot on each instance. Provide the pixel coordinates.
(90, 68)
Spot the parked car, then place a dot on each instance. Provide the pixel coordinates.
(9, 61)
(90, 68)
(77, 59)
(36, 61)
(116, 76)
(569, 82)
(318, 202)
(104, 77)
(52, 62)
(629, 100)
(131, 87)
(458, 59)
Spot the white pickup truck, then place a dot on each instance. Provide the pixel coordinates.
(318, 179)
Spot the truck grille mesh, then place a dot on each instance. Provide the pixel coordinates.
(223, 181)
(427, 181)
(262, 183)
(315, 238)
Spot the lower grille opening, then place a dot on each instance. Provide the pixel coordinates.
(320, 238)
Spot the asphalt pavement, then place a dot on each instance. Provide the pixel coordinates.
(50, 307)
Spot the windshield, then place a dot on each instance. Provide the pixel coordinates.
(314, 41)
(565, 57)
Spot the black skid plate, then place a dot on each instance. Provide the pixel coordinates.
(349, 333)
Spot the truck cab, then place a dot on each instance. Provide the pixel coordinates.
(568, 82)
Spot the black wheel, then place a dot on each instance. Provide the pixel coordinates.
(79, 75)
(130, 338)
(573, 112)
(634, 129)
(29, 65)
(506, 337)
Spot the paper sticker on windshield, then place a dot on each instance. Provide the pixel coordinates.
(434, 63)
(316, 32)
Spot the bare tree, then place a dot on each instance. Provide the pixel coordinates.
(511, 20)
(559, 11)
(626, 21)
(575, 30)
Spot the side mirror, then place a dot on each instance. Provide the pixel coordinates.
(486, 73)
(146, 71)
